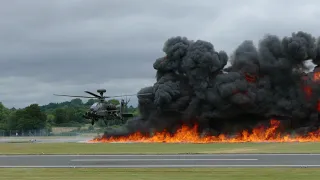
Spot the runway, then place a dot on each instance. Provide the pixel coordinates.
(160, 161)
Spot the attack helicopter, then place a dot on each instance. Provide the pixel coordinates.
(105, 110)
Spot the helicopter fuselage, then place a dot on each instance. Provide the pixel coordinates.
(103, 111)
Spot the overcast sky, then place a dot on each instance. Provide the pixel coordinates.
(68, 46)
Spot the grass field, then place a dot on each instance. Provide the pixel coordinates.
(157, 148)
(161, 174)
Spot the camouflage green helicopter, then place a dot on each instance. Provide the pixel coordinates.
(105, 110)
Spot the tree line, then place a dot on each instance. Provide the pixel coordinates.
(64, 114)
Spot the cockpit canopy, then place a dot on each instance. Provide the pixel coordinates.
(102, 106)
(95, 106)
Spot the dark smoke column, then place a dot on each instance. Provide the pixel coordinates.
(193, 85)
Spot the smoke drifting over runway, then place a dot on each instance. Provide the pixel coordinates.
(194, 86)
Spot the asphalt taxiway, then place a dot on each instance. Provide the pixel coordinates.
(145, 161)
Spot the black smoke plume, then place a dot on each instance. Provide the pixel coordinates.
(194, 86)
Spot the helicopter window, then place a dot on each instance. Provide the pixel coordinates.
(94, 106)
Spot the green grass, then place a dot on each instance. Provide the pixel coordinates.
(158, 148)
(161, 174)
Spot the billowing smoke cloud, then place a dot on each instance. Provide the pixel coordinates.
(193, 85)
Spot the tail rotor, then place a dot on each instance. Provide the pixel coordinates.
(124, 104)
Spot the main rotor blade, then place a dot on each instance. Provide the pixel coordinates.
(144, 94)
(72, 96)
(127, 95)
(93, 94)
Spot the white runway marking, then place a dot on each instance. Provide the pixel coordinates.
(92, 160)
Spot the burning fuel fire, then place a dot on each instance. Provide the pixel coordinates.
(316, 76)
(191, 135)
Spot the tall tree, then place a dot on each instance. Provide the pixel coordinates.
(29, 118)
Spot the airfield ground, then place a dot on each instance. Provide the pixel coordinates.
(162, 174)
(45, 139)
(67, 146)
(155, 148)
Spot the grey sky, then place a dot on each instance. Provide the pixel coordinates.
(68, 46)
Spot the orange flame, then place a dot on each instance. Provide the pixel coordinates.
(190, 135)
(316, 76)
